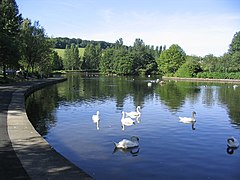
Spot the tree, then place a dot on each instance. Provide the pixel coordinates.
(190, 68)
(107, 61)
(171, 59)
(57, 61)
(91, 57)
(235, 44)
(71, 57)
(209, 63)
(236, 61)
(67, 56)
(10, 21)
(123, 62)
(234, 51)
(36, 47)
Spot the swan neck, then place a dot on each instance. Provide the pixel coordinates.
(138, 109)
(230, 140)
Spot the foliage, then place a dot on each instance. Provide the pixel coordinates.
(209, 63)
(119, 59)
(219, 75)
(10, 21)
(61, 52)
(57, 61)
(171, 59)
(71, 58)
(62, 42)
(235, 44)
(190, 68)
(25, 44)
(36, 48)
(106, 63)
(91, 57)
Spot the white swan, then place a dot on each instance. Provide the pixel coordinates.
(126, 121)
(126, 144)
(188, 119)
(232, 142)
(96, 117)
(235, 86)
(134, 114)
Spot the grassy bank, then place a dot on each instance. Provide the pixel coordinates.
(61, 52)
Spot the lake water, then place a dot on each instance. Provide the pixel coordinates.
(168, 149)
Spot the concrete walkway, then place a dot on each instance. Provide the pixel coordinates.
(24, 154)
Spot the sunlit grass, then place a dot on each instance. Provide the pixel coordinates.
(61, 52)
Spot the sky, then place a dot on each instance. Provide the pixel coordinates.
(199, 27)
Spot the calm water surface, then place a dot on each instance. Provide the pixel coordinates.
(168, 148)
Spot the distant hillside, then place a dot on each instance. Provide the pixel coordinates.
(61, 42)
(61, 52)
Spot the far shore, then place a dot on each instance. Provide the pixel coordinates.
(202, 80)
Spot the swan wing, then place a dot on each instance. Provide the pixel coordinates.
(132, 114)
(127, 121)
(125, 143)
(95, 118)
(186, 119)
(233, 142)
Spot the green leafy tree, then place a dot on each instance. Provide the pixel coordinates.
(143, 58)
(71, 57)
(209, 63)
(67, 56)
(77, 63)
(171, 59)
(123, 62)
(57, 61)
(10, 21)
(91, 57)
(190, 68)
(234, 50)
(106, 62)
(235, 44)
(236, 61)
(36, 47)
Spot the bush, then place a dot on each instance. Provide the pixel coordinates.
(218, 75)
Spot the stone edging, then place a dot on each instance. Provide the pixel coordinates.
(38, 158)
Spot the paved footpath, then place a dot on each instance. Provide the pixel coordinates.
(24, 154)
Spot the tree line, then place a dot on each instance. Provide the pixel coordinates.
(173, 61)
(62, 42)
(25, 45)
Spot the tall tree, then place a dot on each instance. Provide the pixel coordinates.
(10, 21)
(235, 44)
(36, 47)
(190, 68)
(71, 57)
(171, 59)
(91, 57)
(209, 63)
(234, 50)
(107, 61)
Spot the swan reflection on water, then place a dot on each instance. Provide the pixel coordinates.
(192, 123)
(97, 124)
(133, 151)
(230, 150)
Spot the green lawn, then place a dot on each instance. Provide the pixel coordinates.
(61, 52)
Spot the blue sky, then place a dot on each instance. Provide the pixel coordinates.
(200, 27)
